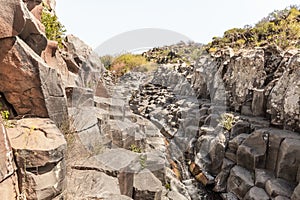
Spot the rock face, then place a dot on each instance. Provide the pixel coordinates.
(33, 88)
(143, 136)
(39, 148)
(8, 176)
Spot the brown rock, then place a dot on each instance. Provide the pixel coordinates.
(53, 58)
(35, 7)
(39, 149)
(33, 32)
(87, 184)
(240, 181)
(32, 87)
(147, 186)
(205, 178)
(12, 19)
(8, 179)
(9, 188)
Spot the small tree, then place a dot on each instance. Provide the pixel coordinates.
(53, 28)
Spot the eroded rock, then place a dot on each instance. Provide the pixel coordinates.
(240, 181)
(39, 149)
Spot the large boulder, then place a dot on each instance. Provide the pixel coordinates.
(83, 61)
(33, 32)
(146, 186)
(12, 20)
(87, 184)
(39, 149)
(53, 58)
(31, 87)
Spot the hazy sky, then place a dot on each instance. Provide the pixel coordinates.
(96, 21)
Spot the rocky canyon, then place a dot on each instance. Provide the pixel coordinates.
(225, 126)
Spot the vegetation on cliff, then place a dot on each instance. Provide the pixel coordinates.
(53, 28)
(128, 62)
(281, 28)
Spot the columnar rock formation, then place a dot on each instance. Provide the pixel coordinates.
(230, 121)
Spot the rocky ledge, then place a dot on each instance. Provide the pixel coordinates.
(225, 127)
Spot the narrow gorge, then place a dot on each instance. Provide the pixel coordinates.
(223, 126)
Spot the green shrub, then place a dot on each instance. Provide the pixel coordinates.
(227, 121)
(279, 27)
(127, 62)
(135, 149)
(53, 28)
(107, 61)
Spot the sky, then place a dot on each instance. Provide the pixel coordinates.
(97, 21)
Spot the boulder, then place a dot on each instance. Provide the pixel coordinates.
(257, 193)
(89, 66)
(33, 32)
(240, 181)
(251, 153)
(288, 160)
(12, 20)
(32, 87)
(39, 149)
(52, 56)
(8, 178)
(35, 7)
(87, 184)
(279, 187)
(146, 186)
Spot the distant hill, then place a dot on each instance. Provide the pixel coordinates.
(281, 27)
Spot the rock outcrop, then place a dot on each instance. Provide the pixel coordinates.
(229, 120)
(8, 177)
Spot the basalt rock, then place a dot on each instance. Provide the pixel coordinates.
(39, 149)
(8, 177)
(32, 87)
